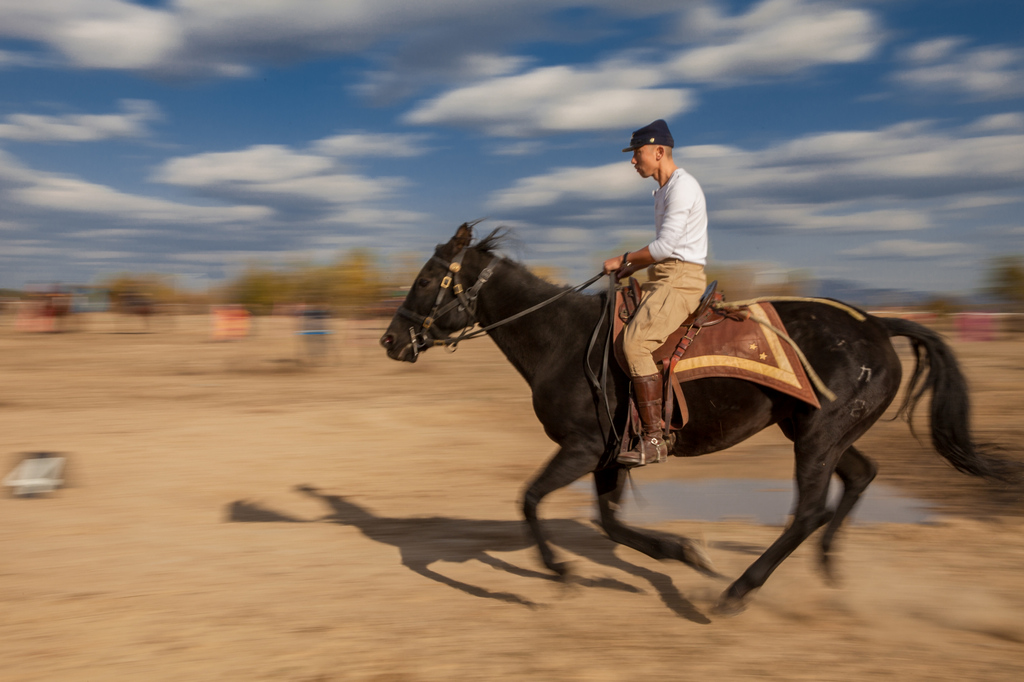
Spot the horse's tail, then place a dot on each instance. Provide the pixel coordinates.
(937, 369)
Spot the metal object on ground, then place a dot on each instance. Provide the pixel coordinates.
(38, 472)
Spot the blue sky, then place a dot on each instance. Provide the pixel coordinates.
(879, 141)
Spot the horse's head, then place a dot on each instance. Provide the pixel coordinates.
(441, 300)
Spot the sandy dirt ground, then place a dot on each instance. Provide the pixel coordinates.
(235, 513)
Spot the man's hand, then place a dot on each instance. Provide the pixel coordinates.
(612, 264)
(617, 264)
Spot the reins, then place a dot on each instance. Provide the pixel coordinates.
(483, 330)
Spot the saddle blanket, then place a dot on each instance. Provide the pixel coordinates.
(750, 351)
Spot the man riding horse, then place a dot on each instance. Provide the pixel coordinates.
(677, 281)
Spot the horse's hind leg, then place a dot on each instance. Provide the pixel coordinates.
(856, 470)
(813, 470)
(569, 464)
(610, 484)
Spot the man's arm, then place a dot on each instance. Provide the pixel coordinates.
(625, 265)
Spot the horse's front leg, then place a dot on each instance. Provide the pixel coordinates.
(570, 463)
(610, 484)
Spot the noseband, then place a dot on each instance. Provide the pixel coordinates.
(464, 299)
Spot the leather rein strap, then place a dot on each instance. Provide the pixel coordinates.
(598, 380)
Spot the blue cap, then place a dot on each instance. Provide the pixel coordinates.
(655, 133)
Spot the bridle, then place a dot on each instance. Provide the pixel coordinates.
(426, 335)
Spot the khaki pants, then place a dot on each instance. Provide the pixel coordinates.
(672, 293)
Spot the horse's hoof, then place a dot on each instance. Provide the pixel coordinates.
(729, 606)
(695, 556)
(828, 571)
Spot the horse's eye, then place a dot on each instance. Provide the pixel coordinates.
(423, 282)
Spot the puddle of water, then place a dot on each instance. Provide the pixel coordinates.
(763, 501)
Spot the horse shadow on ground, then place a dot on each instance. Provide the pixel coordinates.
(423, 541)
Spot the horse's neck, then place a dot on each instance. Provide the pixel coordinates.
(535, 339)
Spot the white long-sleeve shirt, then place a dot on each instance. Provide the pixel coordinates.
(680, 220)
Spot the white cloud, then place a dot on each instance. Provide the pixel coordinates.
(609, 182)
(492, 65)
(944, 65)
(232, 257)
(73, 195)
(835, 218)
(28, 248)
(224, 36)
(908, 249)
(996, 123)
(375, 217)
(933, 50)
(257, 164)
(272, 173)
(113, 232)
(82, 127)
(96, 34)
(893, 160)
(556, 99)
(10, 59)
(94, 255)
(119, 35)
(984, 201)
(363, 143)
(777, 37)
(519, 148)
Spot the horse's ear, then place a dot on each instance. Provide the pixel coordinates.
(463, 237)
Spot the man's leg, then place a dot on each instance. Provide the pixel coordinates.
(672, 294)
(652, 447)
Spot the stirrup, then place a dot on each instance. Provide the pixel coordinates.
(655, 452)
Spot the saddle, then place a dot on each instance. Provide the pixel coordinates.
(627, 300)
(716, 341)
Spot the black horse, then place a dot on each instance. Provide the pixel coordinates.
(552, 348)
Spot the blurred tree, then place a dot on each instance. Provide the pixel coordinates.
(739, 281)
(1006, 280)
(735, 281)
(349, 285)
(160, 288)
(402, 271)
(259, 289)
(942, 306)
(358, 282)
(549, 273)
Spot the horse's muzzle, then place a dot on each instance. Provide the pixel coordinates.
(407, 352)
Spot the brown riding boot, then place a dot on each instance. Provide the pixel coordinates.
(652, 447)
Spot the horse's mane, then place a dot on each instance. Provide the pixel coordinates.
(493, 242)
(501, 237)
